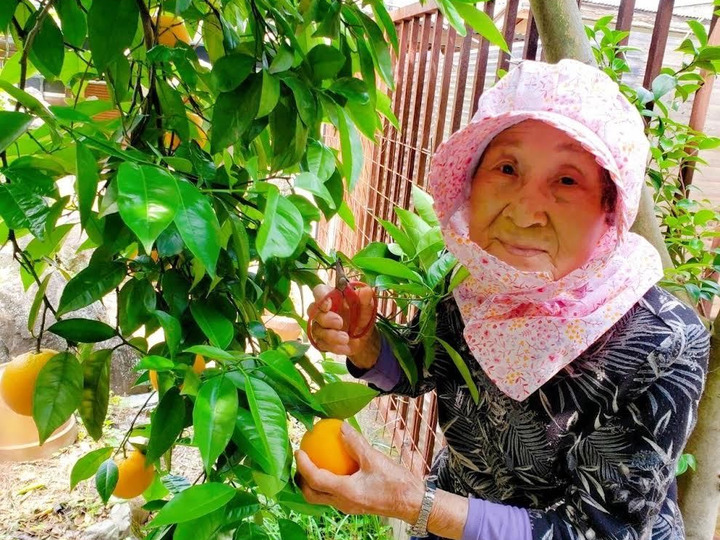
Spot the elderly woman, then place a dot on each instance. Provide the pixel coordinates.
(589, 374)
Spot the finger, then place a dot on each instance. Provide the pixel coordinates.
(356, 445)
(320, 292)
(366, 296)
(332, 341)
(316, 478)
(329, 319)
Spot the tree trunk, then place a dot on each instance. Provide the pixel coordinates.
(563, 36)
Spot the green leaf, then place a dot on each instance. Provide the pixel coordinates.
(22, 208)
(310, 182)
(320, 160)
(90, 285)
(96, 392)
(12, 126)
(154, 362)
(74, 23)
(481, 23)
(279, 366)
(234, 112)
(413, 225)
(211, 353)
(447, 8)
(172, 329)
(270, 94)
(344, 399)
(214, 418)
(35, 308)
(700, 31)
(173, 110)
(87, 466)
(198, 225)
(439, 270)
(250, 531)
(86, 182)
(58, 392)
(289, 530)
(270, 422)
(203, 528)
(662, 84)
(218, 329)
(112, 24)
(147, 199)
(7, 9)
(326, 61)
(194, 502)
(458, 277)
(351, 148)
(34, 105)
(136, 303)
(352, 88)
(82, 330)
(379, 49)
(283, 60)
(462, 368)
(47, 51)
(388, 267)
(423, 203)
(166, 425)
(230, 71)
(397, 234)
(304, 99)
(281, 230)
(106, 479)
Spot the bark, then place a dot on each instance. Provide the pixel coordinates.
(563, 36)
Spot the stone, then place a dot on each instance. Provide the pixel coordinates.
(121, 515)
(104, 530)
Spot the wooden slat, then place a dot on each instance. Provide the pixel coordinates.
(410, 78)
(444, 87)
(658, 41)
(531, 38)
(481, 62)
(430, 98)
(415, 137)
(414, 11)
(625, 18)
(511, 10)
(430, 433)
(461, 79)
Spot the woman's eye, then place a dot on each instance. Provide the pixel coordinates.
(568, 181)
(507, 169)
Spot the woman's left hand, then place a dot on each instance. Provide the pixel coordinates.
(380, 487)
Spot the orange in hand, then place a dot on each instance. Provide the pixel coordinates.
(324, 446)
(17, 385)
(134, 476)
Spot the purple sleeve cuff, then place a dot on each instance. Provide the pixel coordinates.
(491, 521)
(385, 374)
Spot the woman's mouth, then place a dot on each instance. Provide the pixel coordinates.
(521, 250)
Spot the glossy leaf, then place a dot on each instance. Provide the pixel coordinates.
(279, 366)
(480, 22)
(154, 362)
(218, 329)
(58, 392)
(12, 125)
(270, 420)
(351, 148)
(211, 353)
(88, 465)
(194, 502)
(310, 182)
(147, 199)
(214, 418)
(234, 112)
(106, 479)
(167, 423)
(74, 23)
(270, 94)
(231, 70)
(250, 531)
(198, 225)
(90, 285)
(172, 329)
(387, 267)
(48, 50)
(136, 302)
(281, 230)
(326, 61)
(96, 392)
(22, 208)
(320, 160)
(7, 9)
(37, 302)
(82, 330)
(289, 530)
(344, 399)
(112, 24)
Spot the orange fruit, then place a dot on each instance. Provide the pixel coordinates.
(172, 141)
(171, 29)
(18, 381)
(198, 367)
(134, 476)
(324, 446)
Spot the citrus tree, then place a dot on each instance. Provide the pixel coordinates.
(196, 186)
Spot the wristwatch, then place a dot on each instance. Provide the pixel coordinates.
(420, 528)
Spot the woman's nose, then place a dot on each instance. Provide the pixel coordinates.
(528, 207)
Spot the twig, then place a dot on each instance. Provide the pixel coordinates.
(121, 446)
(28, 45)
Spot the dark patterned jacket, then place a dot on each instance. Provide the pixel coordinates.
(591, 454)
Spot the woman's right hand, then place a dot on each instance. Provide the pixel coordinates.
(329, 330)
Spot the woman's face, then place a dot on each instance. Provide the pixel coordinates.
(536, 199)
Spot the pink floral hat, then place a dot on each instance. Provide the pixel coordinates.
(508, 312)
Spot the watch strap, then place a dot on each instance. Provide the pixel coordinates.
(419, 529)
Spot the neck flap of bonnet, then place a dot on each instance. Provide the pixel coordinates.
(524, 327)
